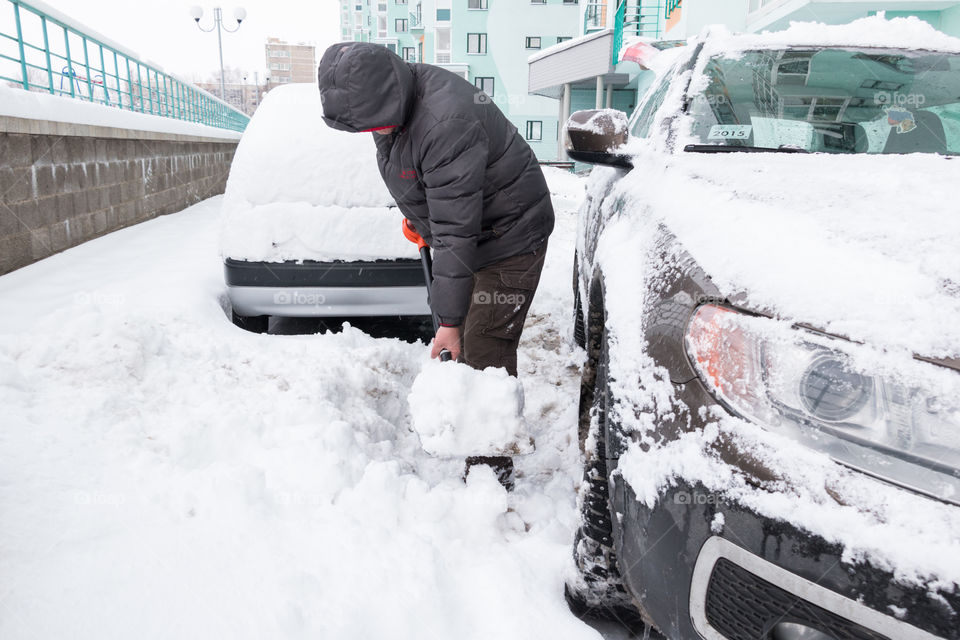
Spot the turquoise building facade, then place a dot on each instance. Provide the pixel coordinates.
(487, 42)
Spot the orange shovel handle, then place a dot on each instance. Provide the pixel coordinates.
(411, 234)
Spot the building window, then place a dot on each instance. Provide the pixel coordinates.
(410, 54)
(381, 26)
(443, 15)
(533, 42)
(534, 130)
(401, 25)
(570, 1)
(563, 39)
(392, 47)
(476, 4)
(476, 43)
(538, 1)
(401, 1)
(484, 84)
(442, 49)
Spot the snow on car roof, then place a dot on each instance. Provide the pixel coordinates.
(288, 154)
(299, 190)
(875, 31)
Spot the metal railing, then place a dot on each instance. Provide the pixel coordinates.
(416, 17)
(595, 16)
(637, 18)
(672, 5)
(46, 53)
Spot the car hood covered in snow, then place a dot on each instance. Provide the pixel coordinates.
(861, 246)
(299, 190)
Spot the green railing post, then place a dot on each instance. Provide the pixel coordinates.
(66, 44)
(149, 90)
(23, 55)
(140, 86)
(179, 102)
(116, 69)
(618, 31)
(103, 71)
(165, 97)
(129, 83)
(46, 50)
(86, 64)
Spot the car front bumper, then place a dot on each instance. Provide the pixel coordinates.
(756, 576)
(327, 289)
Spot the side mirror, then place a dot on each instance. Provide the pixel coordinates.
(594, 136)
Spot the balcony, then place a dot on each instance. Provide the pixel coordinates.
(416, 18)
(595, 16)
(639, 18)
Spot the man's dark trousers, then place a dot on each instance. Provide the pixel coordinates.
(502, 294)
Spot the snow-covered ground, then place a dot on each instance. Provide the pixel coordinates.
(164, 474)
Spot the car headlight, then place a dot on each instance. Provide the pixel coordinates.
(811, 386)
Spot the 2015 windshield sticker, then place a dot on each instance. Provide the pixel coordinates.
(902, 119)
(730, 132)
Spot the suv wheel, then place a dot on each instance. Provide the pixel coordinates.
(579, 329)
(256, 324)
(599, 592)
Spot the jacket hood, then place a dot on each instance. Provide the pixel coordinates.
(364, 86)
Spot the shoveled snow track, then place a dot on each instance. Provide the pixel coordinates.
(164, 474)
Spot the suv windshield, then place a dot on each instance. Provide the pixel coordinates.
(831, 100)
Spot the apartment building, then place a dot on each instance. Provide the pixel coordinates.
(487, 42)
(241, 95)
(288, 63)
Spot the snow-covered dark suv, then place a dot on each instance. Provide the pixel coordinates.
(768, 289)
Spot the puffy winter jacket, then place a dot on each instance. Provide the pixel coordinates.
(456, 166)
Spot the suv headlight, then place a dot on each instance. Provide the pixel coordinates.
(811, 386)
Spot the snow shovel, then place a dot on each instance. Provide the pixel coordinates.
(479, 416)
(427, 261)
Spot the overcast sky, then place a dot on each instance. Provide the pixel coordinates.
(163, 32)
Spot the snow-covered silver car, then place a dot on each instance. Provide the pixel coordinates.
(308, 228)
(768, 287)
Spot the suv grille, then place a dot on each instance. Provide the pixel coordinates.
(743, 606)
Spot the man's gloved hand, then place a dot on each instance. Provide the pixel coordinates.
(447, 338)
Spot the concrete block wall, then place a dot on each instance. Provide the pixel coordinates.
(63, 184)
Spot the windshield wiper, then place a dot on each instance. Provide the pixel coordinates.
(723, 148)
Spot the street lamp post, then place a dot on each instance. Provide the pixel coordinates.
(239, 15)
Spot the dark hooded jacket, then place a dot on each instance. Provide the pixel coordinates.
(455, 165)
